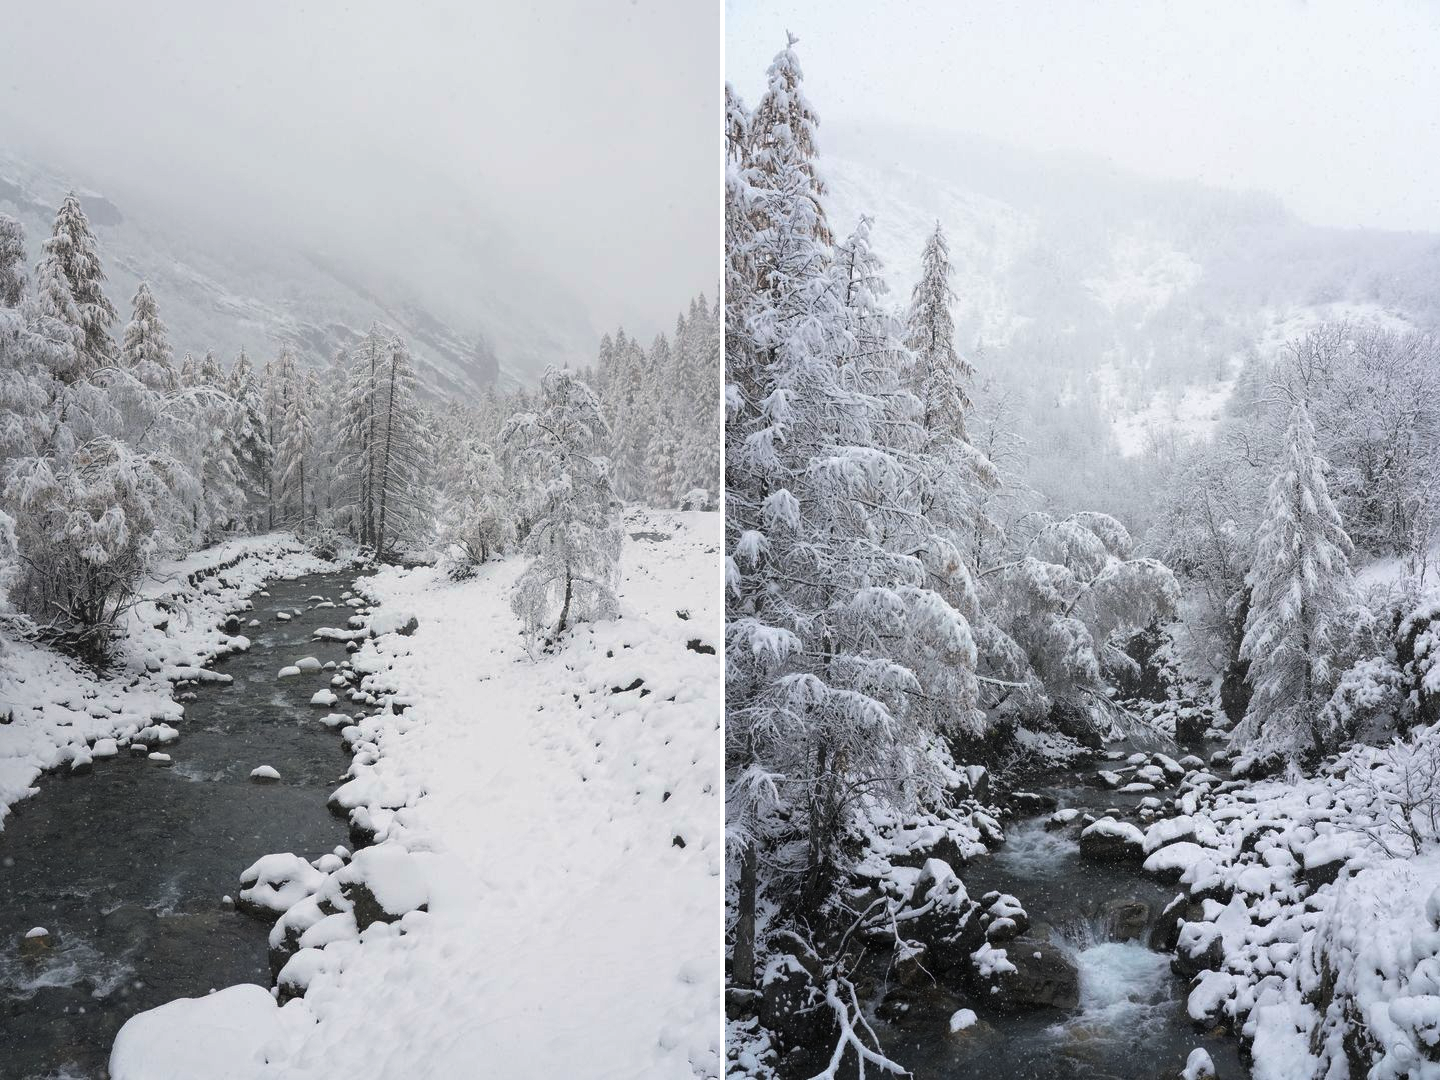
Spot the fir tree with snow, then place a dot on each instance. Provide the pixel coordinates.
(1300, 594)
(12, 262)
(145, 348)
(71, 252)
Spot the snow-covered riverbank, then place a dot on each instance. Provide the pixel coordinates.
(542, 897)
(55, 711)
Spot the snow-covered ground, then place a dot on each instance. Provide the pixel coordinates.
(60, 714)
(543, 894)
(1311, 918)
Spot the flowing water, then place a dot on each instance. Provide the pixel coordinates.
(127, 867)
(1131, 1022)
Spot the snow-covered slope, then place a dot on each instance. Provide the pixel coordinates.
(550, 829)
(260, 284)
(1145, 294)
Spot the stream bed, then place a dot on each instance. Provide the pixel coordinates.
(127, 867)
(1131, 1023)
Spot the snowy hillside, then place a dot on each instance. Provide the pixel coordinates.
(1064, 268)
(226, 284)
(543, 890)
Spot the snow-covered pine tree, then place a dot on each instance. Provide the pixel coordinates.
(560, 454)
(189, 373)
(940, 376)
(1300, 589)
(398, 446)
(145, 348)
(475, 518)
(286, 410)
(820, 509)
(12, 262)
(252, 445)
(296, 449)
(362, 428)
(71, 250)
(701, 429)
(52, 311)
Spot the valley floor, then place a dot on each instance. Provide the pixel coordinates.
(535, 889)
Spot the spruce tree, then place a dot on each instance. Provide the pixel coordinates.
(145, 349)
(72, 251)
(941, 376)
(1300, 589)
(12, 262)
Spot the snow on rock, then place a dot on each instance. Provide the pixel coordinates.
(1309, 921)
(264, 774)
(307, 665)
(1172, 861)
(57, 702)
(1199, 1065)
(289, 671)
(390, 620)
(274, 883)
(1111, 840)
(229, 1035)
(324, 698)
(962, 1019)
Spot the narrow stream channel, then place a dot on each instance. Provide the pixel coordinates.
(1131, 1023)
(127, 867)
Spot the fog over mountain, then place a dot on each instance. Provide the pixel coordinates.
(287, 174)
(1111, 311)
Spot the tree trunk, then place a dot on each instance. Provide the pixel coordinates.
(565, 607)
(742, 964)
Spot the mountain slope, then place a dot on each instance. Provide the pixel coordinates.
(1142, 297)
(224, 284)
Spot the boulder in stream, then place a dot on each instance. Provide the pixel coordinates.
(1026, 974)
(274, 883)
(1200, 946)
(1126, 919)
(1109, 840)
(36, 942)
(264, 774)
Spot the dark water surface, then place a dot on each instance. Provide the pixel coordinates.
(1131, 1023)
(127, 867)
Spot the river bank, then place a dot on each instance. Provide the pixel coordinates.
(127, 866)
(540, 883)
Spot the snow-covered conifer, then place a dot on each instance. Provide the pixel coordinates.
(1301, 589)
(559, 453)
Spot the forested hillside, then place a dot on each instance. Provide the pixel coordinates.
(1000, 669)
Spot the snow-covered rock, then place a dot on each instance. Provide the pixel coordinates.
(1110, 840)
(274, 883)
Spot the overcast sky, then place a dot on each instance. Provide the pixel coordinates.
(1333, 107)
(588, 129)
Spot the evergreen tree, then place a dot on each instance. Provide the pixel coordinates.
(1300, 589)
(12, 262)
(71, 251)
(252, 446)
(940, 375)
(145, 349)
(560, 455)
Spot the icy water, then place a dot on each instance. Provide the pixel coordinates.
(127, 867)
(1131, 1023)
